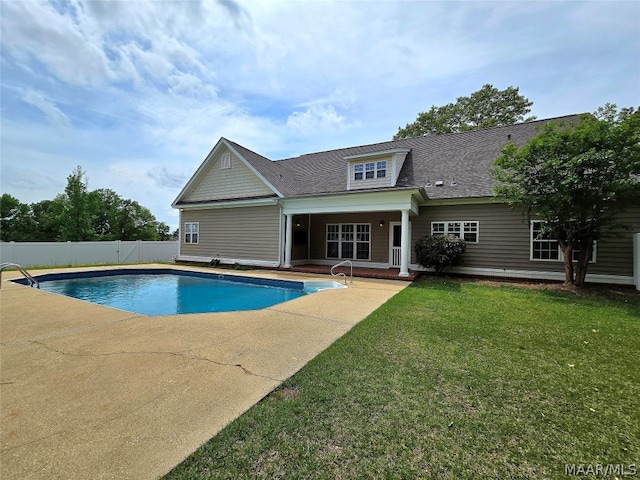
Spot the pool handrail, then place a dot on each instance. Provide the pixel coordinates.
(32, 281)
(342, 274)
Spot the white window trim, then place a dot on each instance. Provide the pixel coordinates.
(190, 232)
(375, 170)
(560, 254)
(461, 235)
(354, 241)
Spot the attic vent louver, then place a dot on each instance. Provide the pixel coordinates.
(439, 183)
(225, 161)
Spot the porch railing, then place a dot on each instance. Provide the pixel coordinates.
(395, 256)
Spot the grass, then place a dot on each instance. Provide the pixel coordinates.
(451, 380)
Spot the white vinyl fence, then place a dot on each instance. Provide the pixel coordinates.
(29, 254)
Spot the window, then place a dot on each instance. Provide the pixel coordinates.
(191, 232)
(470, 232)
(467, 230)
(349, 240)
(225, 161)
(370, 170)
(544, 247)
(358, 169)
(576, 252)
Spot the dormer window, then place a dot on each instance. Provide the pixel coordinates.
(370, 170)
(378, 169)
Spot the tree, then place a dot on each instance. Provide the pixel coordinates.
(439, 251)
(576, 178)
(16, 221)
(76, 221)
(47, 217)
(488, 107)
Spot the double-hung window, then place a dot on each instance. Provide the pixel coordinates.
(191, 232)
(545, 247)
(467, 230)
(349, 240)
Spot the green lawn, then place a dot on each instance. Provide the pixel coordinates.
(451, 380)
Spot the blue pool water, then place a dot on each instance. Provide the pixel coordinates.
(168, 292)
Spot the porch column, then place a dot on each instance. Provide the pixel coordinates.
(287, 240)
(405, 245)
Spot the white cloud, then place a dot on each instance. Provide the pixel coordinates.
(190, 85)
(51, 111)
(36, 30)
(317, 119)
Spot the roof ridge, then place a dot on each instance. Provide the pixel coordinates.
(409, 139)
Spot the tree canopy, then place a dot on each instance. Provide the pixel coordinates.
(576, 178)
(488, 107)
(79, 215)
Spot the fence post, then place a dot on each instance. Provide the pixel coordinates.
(118, 246)
(139, 245)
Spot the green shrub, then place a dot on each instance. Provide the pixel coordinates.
(440, 251)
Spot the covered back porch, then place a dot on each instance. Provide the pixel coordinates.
(372, 230)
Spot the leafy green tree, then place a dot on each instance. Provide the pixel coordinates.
(9, 208)
(577, 178)
(47, 217)
(440, 251)
(488, 107)
(162, 231)
(104, 205)
(16, 221)
(135, 222)
(76, 217)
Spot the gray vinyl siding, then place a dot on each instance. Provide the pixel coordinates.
(504, 240)
(244, 233)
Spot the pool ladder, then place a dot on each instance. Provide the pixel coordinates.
(342, 274)
(32, 281)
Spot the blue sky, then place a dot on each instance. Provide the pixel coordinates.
(137, 93)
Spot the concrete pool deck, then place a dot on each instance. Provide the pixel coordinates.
(92, 392)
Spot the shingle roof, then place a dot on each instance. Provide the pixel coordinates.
(464, 157)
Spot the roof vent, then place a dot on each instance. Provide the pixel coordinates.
(439, 183)
(429, 184)
(453, 182)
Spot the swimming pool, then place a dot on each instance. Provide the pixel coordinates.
(172, 291)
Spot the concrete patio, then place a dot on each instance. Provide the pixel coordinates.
(93, 392)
